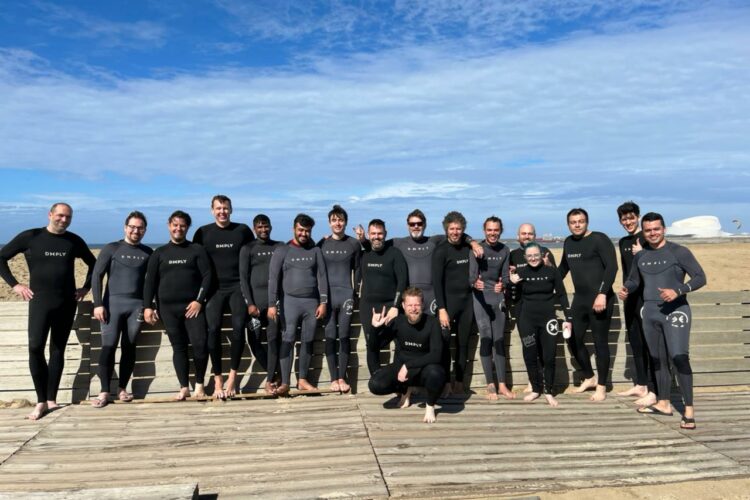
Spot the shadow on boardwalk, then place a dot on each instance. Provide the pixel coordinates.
(335, 446)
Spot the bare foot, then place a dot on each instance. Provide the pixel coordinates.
(344, 386)
(429, 414)
(270, 387)
(507, 393)
(600, 394)
(218, 388)
(405, 400)
(458, 387)
(528, 389)
(231, 390)
(183, 394)
(531, 397)
(124, 395)
(491, 392)
(447, 389)
(586, 384)
(282, 390)
(647, 400)
(551, 400)
(304, 385)
(52, 405)
(637, 391)
(40, 410)
(335, 386)
(200, 391)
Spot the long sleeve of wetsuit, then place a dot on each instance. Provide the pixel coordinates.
(247, 290)
(151, 283)
(320, 264)
(438, 276)
(204, 267)
(402, 275)
(473, 269)
(609, 261)
(564, 268)
(691, 266)
(561, 295)
(101, 268)
(633, 280)
(505, 272)
(17, 245)
(356, 265)
(82, 251)
(275, 274)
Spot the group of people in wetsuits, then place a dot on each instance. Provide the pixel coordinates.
(413, 291)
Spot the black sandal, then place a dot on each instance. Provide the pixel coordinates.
(688, 424)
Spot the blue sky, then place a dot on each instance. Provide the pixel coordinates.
(519, 109)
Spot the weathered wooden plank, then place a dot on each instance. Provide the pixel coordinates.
(180, 491)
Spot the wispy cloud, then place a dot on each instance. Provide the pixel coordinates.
(71, 22)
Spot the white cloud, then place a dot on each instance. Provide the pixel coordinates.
(405, 124)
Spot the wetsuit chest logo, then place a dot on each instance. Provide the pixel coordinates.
(224, 245)
(574, 255)
(462, 262)
(177, 261)
(374, 264)
(409, 343)
(55, 254)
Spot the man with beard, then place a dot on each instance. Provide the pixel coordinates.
(384, 277)
(297, 278)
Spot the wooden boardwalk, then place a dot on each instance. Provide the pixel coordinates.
(336, 446)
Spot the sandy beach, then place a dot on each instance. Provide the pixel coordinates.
(727, 266)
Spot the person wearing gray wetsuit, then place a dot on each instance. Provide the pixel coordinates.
(489, 276)
(255, 259)
(342, 255)
(661, 267)
(297, 278)
(120, 308)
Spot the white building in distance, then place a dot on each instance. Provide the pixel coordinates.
(701, 226)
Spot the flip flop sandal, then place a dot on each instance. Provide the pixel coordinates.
(653, 410)
(688, 424)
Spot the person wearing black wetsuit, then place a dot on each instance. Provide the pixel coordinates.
(453, 293)
(643, 380)
(418, 354)
(489, 276)
(255, 258)
(223, 241)
(590, 258)
(50, 254)
(526, 234)
(178, 277)
(119, 309)
(661, 267)
(538, 326)
(383, 280)
(297, 279)
(342, 255)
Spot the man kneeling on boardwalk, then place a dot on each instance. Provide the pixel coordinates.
(417, 359)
